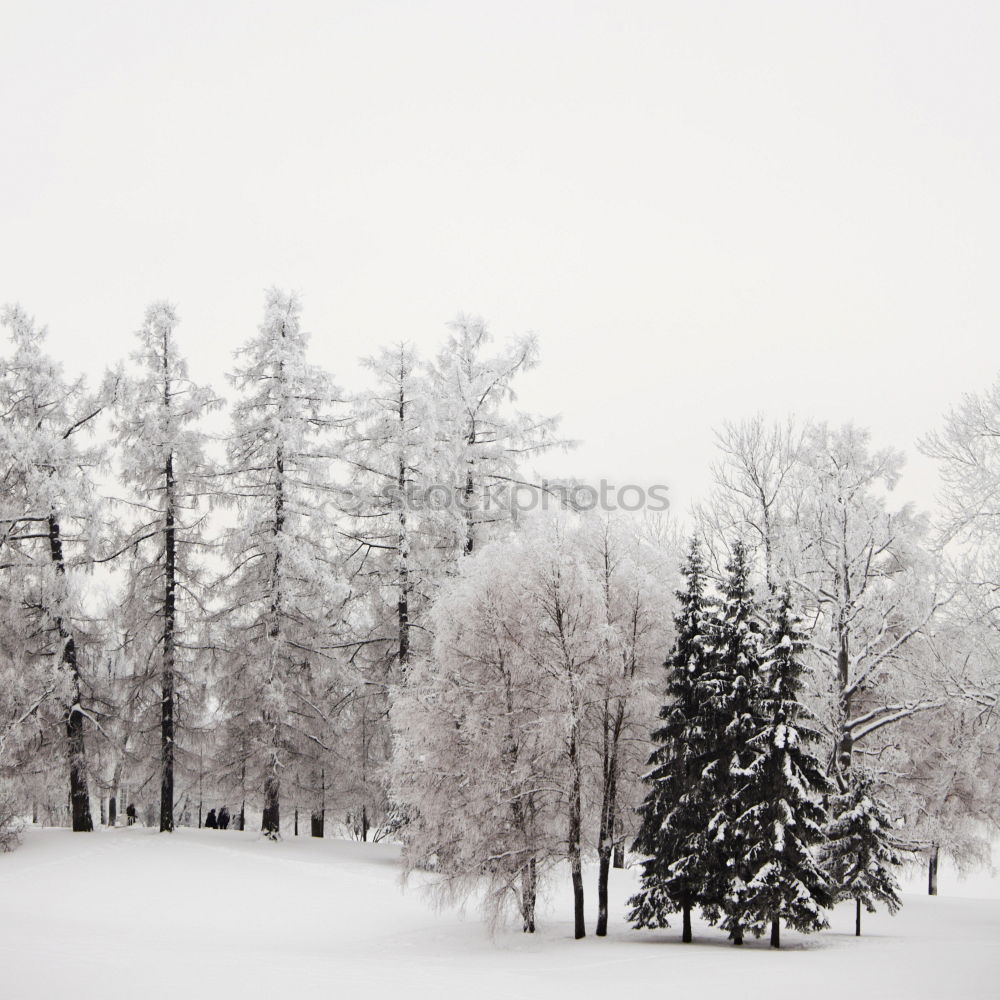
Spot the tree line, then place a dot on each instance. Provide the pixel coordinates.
(242, 600)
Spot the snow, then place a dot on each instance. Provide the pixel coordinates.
(201, 913)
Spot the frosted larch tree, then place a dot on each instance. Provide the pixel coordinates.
(483, 440)
(282, 595)
(50, 521)
(160, 436)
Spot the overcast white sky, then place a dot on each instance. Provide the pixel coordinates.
(704, 209)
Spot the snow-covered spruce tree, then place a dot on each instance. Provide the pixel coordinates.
(782, 807)
(860, 854)
(50, 524)
(281, 595)
(482, 440)
(160, 435)
(675, 812)
(630, 571)
(729, 690)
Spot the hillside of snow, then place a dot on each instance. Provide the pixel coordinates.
(202, 913)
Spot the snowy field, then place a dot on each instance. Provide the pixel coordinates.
(131, 913)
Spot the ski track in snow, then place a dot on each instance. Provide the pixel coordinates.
(200, 913)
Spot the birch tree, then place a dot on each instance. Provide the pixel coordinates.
(634, 580)
(812, 505)
(473, 755)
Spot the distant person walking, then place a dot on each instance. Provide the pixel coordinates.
(210, 821)
(130, 814)
(223, 818)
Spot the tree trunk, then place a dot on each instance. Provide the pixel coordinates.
(317, 820)
(579, 924)
(76, 747)
(857, 917)
(575, 812)
(169, 619)
(932, 871)
(618, 858)
(113, 810)
(603, 868)
(271, 820)
(403, 604)
(845, 743)
(104, 813)
(606, 834)
(775, 933)
(686, 933)
(467, 493)
(529, 893)
(737, 934)
(79, 794)
(296, 833)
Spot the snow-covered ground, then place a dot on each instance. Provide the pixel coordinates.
(203, 913)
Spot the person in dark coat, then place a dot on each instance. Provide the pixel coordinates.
(130, 814)
(210, 821)
(223, 818)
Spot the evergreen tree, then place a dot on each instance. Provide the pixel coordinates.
(782, 796)
(675, 811)
(730, 707)
(860, 854)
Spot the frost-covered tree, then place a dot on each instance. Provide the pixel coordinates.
(50, 527)
(781, 799)
(393, 563)
(756, 492)
(940, 775)
(565, 647)
(282, 595)
(390, 449)
(861, 854)
(473, 750)
(482, 440)
(631, 573)
(872, 587)
(812, 503)
(523, 639)
(160, 434)
(676, 810)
